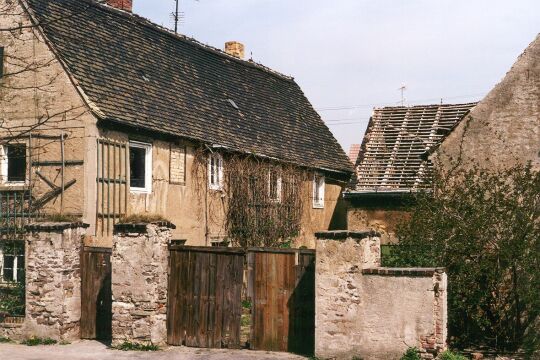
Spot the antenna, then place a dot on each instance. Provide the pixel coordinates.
(402, 89)
(176, 15)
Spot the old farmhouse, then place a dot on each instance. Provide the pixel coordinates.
(107, 116)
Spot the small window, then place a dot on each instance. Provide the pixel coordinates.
(318, 191)
(13, 163)
(215, 171)
(177, 166)
(12, 261)
(274, 185)
(140, 167)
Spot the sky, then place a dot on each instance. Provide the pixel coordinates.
(352, 55)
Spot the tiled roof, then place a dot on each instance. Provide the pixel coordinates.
(391, 156)
(353, 152)
(142, 75)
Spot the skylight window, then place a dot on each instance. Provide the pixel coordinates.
(233, 104)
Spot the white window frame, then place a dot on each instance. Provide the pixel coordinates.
(319, 184)
(147, 189)
(217, 168)
(4, 168)
(15, 267)
(278, 185)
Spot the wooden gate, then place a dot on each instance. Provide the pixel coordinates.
(96, 295)
(205, 289)
(281, 284)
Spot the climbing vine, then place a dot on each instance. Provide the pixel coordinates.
(262, 200)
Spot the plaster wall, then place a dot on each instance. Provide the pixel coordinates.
(381, 220)
(365, 311)
(504, 128)
(38, 97)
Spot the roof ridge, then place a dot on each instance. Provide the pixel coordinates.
(190, 40)
(406, 107)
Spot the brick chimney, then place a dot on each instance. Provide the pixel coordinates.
(234, 48)
(126, 5)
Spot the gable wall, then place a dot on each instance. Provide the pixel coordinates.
(38, 97)
(504, 128)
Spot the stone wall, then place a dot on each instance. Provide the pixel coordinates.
(363, 310)
(53, 283)
(140, 259)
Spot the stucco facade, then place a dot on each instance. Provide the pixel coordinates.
(504, 128)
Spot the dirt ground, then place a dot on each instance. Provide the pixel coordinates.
(93, 350)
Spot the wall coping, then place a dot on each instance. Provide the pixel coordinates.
(141, 227)
(346, 234)
(55, 226)
(418, 272)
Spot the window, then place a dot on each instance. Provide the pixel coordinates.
(1, 62)
(274, 185)
(215, 171)
(13, 163)
(140, 167)
(318, 191)
(12, 261)
(177, 166)
(219, 241)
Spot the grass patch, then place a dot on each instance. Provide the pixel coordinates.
(449, 355)
(142, 218)
(411, 354)
(38, 341)
(58, 218)
(128, 346)
(4, 340)
(246, 304)
(245, 320)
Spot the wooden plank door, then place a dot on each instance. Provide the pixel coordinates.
(204, 302)
(96, 294)
(281, 284)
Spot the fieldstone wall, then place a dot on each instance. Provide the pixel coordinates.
(53, 283)
(140, 259)
(365, 311)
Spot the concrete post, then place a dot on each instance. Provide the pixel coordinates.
(140, 260)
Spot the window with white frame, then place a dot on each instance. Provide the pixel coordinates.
(215, 171)
(274, 185)
(318, 190)
(13, 165)
(140, 167)
(12, 261)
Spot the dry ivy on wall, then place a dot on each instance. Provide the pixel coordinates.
(263, 201)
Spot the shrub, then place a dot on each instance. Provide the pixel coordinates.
(4, 340)
(411, 354)
(449, 355)
(484, 227)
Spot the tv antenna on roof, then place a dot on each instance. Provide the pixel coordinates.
(402, 89)
(177, 16)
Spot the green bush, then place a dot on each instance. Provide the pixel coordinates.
(4, 340)
(484, 227)
(449, 355)
(128, 346)
(411, 354)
